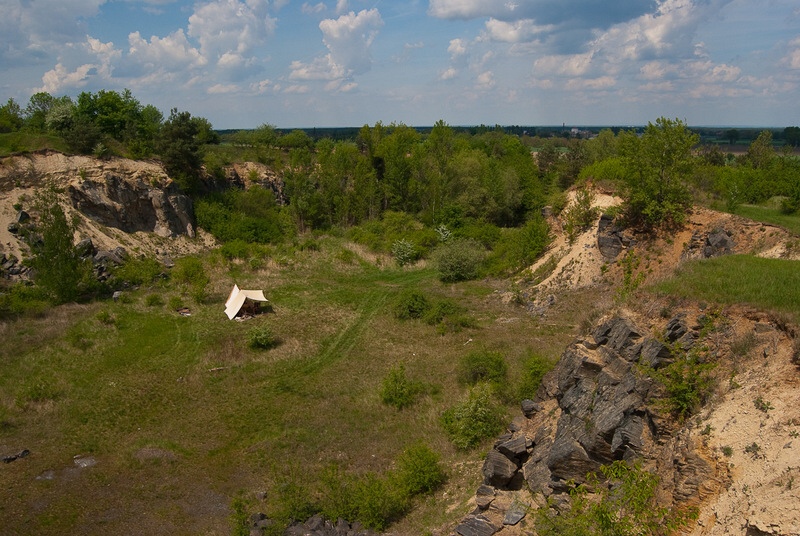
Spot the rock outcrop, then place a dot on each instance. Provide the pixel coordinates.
(601, 403)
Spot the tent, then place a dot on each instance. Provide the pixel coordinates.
(238, 297)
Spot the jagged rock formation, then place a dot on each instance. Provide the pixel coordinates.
(601, 404)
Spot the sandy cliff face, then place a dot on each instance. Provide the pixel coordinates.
(118, 202)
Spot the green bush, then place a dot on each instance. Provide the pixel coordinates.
(519, 248)
(235, 249)
(404, 252)
(261, 338)
(688, 383)
(458, 260)
(139, 271)
(534, 369)
(482, 366)
(418, 470)
(474, 419)
(398, 390)
(22, 299)
(411, 304)
(625, 505)
(579, 215)
(439, 311)
(153, 300)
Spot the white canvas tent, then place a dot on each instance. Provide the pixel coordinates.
(238, 297)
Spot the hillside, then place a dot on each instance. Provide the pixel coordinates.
(162, 422)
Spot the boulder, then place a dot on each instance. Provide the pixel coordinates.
(476, 526)
(498, 469)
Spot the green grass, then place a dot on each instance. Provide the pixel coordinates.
(790, 222)
(770, 284)
(236, 421)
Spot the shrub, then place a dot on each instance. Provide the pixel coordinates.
(482, 366)
(534, 369)
(397, 390)
(23, 299)
(579, 215)
(404, 252)
(474, 419)
(411, 304)
(440, 310)
(458, 260)
(153, 300)
(235, 249)
(139, 271)
(519, 248)
(418, 470)
(688, 383)
(625, 505)
(261, 338)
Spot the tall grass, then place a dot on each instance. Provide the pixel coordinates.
(771, 284)
(790, 222)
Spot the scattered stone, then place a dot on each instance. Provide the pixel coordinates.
(21, 454)
(84, 461)
(515, 513)
(484, 496)
(529, 407)
(476, 526)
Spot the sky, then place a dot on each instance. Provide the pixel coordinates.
(336, 63)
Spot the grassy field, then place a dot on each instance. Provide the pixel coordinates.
(767, 284)
(184, 419)
(768, 214)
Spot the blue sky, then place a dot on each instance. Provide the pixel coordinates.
(244, 63)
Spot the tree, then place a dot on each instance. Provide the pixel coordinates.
(180, 150)
(792, 136)
(656, 168)
(761, 153)
(732, 135)
(57, 267)
(37, 109)
(10, 116)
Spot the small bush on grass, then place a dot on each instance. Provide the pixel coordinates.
(398, 390)
(23, 300)
(418, 470)
(519, 248)
(404, 252)
(139, 271)
(153, 300)
(474, 419)
(261, 338)
(411, 304)
(482, 366)
(458, 260)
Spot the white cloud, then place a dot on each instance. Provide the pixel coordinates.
(308, 9)
(230, 27)
(468, 9)
(448, 74)
(485, 81)
(348, 39)
(59, 79)
(457, 47)
(341, 6)
(170, 53)
(512, 32)
(219, 89)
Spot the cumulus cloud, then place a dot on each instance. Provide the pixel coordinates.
(348, 39)
(457, 47)
(60, 79)
(230, 28)
(30, 31)
(513, 32)
(485, 81)
(448, 74)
